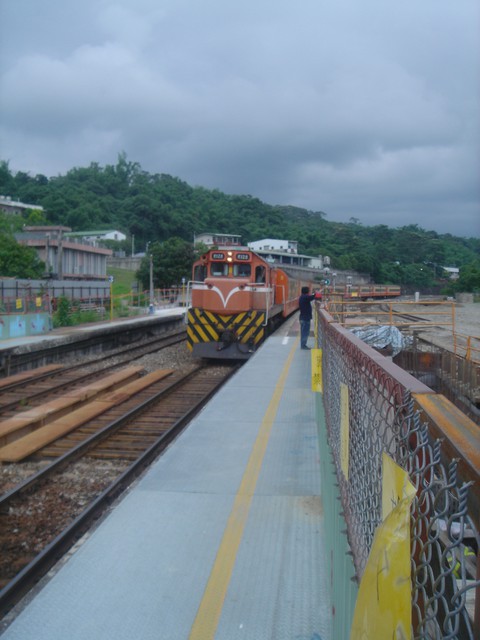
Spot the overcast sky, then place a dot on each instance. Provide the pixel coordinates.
(365, 109)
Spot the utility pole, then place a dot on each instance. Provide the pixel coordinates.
(151, 283)
(47, 253)
(60, 256)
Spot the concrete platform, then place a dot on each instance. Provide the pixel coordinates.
(222, 537)
(63, 334)
(17, 354)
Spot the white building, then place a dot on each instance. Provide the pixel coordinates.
(96, 237)
(9, 206)
(270, 244)
(218, 239)
(453, 272)
(284, 252)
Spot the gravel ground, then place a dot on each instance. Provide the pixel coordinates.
(175, 357)
(466, 318)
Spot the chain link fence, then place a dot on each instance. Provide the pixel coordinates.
(387, 414)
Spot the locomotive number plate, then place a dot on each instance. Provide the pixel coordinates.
(243, 256)
(218, 256)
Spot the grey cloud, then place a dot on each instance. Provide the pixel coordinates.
(361, 110)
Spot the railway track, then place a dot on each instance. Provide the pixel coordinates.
(32, 387)
(407, 319)
(12, 365)
(85, 471)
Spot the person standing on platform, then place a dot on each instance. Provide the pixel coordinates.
(305, 305)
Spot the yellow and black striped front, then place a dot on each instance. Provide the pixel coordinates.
(206, 333)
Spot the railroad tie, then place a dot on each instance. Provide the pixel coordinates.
(28, 421)
(31, 374)
(44, 435)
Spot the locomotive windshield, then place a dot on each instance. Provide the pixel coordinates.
(242, 270)
(219, 269)
(237, 270)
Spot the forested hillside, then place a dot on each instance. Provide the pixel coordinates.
(158, 207)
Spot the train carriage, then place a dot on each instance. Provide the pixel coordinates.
(371, 291)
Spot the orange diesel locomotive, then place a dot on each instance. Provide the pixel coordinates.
(237, 299)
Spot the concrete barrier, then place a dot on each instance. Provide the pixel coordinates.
(25, 324)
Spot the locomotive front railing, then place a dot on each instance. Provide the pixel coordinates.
(190, 284)
(268, 291)
(373, 409)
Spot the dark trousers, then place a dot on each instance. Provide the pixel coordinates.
(304, 332)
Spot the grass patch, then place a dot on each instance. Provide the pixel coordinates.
(123, 280)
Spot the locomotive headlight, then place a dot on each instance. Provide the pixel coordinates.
(229, 253)
(229, 259)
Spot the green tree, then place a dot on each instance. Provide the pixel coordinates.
(172, 260)
(469, 278)
(7, 183)
(34, 217)
(199, 249)
(18, 261)
(411, 244)
(10, 224)
(417, 275)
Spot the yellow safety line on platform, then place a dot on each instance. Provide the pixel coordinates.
(210, 609)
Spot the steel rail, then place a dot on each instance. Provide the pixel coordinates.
(92, 339)
(171, 340)
(80, 449)
(179, 336)
(31, 573)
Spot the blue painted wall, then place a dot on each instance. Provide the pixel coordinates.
(22, 325)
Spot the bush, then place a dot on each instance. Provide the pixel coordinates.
(62, 317)
(83, 317)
